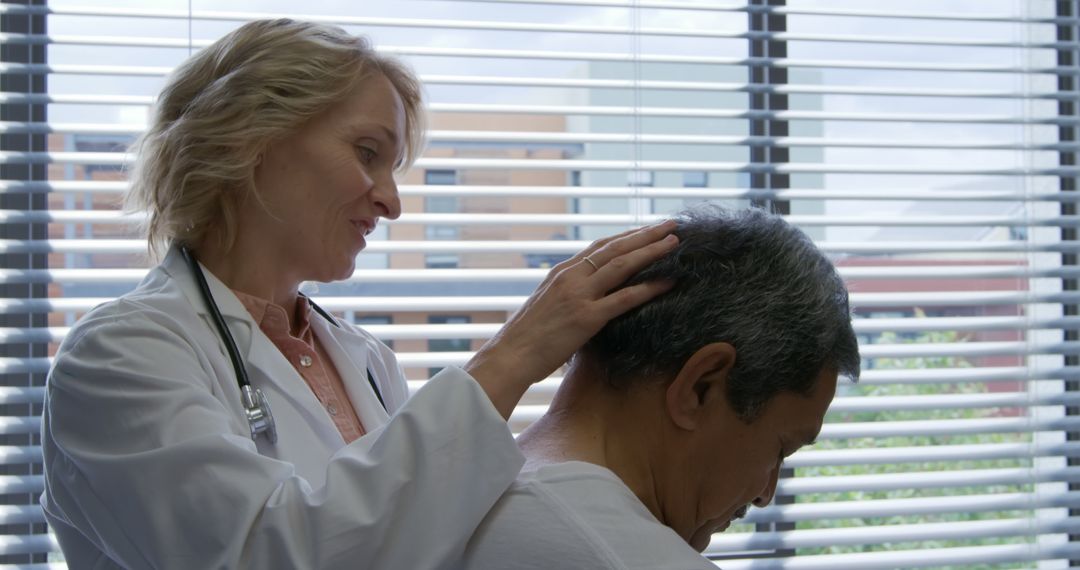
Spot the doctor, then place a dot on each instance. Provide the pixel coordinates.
(215, 417)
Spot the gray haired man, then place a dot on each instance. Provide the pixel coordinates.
(678, 415)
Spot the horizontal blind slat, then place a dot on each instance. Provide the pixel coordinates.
(926, 480)
(21, 514)
(104, 187)
(815, 11)
(15, 455)
(535, 276)
(794, 10)
(526, 137)
(558, 82)
(964, 349)
(539, 219)
(892, 559)
(20, 425)
(680, 32)
(382, 304)
(888, 39)
(524, 415)
(555, 246)
(880, 534)
(930, 454)
(877, 377)
(878, 403)
(31, 544)
(911, 507)
(793, 63)
(120, 159)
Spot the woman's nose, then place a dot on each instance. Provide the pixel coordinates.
(387, 200)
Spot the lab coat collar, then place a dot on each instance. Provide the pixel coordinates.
(260, 354)
(353, 368)
(265, 364)
(231, 308)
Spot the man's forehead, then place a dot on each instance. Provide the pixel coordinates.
(801, 416)
(799, 424)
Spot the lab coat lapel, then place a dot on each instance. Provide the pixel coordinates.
(352, 366)
(267, 367)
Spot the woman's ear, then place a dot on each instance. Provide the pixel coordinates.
(698, 385)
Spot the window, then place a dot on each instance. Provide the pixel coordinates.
(441, 261)
(695, 179)
(639, 178)
(442, 204)
(441, 344)
(372, 323)
(929, 146)
(440, 177)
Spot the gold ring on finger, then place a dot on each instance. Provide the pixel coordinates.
(591, 262)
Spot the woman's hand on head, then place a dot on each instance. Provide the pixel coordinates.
(570, 306)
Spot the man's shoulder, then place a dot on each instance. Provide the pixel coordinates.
(575, 515)
(532, 527)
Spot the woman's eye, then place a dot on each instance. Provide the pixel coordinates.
(366, 154)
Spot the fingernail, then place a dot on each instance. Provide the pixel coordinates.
(671, 239)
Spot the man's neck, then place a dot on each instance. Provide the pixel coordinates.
(591, 422)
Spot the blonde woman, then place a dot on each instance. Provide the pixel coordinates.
(217, 418)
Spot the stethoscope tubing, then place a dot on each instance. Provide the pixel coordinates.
(257, 408)
(219, 321)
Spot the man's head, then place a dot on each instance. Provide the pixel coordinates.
(744, 353)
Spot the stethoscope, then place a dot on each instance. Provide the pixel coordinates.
(257, 409)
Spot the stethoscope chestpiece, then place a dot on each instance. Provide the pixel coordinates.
(259, 416)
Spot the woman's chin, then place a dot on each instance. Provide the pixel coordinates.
(342, 274)
(336, 272)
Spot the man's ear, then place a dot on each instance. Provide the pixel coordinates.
(702, 379)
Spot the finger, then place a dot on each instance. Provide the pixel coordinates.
(631, 241)
(625, 299)
(616, 271)
(597, 244)
(592, 248)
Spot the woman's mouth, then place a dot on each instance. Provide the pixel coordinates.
(365, 225)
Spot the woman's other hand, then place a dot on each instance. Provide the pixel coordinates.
(572, 304)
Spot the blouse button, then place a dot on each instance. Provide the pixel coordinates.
(305, 361)
(332, 409)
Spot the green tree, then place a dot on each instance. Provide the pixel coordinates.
(898, 389)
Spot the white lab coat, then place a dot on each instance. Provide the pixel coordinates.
(149, 461)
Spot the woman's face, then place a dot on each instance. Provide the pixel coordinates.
(324, 187)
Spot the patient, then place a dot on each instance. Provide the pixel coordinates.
(676, 417)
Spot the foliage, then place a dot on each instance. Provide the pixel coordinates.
(915, 389)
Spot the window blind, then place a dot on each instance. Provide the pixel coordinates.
(930, 150)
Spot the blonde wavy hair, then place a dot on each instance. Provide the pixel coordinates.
(221, 109)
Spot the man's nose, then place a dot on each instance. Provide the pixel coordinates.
(766, 495)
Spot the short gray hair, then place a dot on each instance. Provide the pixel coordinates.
(743, 277)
